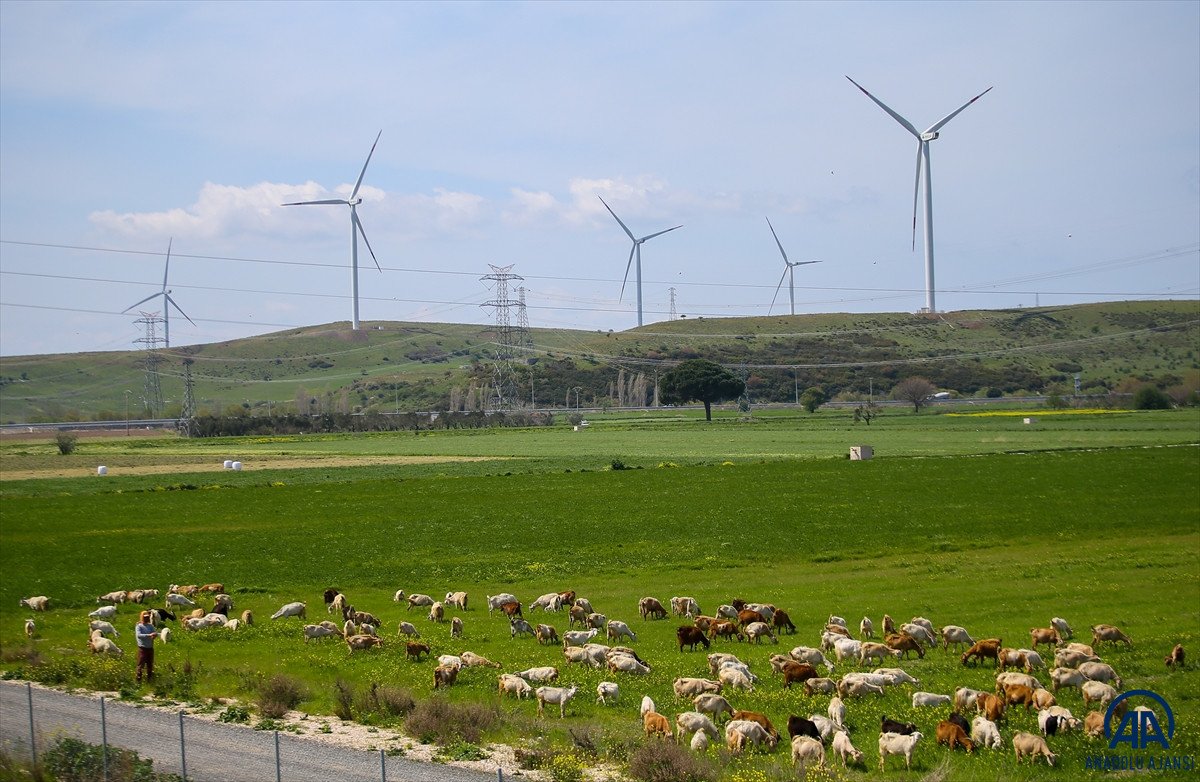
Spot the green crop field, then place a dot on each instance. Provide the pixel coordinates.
(979, 521)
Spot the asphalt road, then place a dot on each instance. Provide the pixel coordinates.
(215, 752)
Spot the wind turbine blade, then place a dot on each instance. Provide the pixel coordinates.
(804, 263)
(179, 309)
(623, 226)
(167, 267)
(937, 125)
(363, 234)
(660, 233)
(777, 287)
(781, 252)
(917, 191)
(625, 279)
(143, 301)
(907, 125)
(327, 201)
(363, 173)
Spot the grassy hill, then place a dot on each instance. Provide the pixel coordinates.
(409, 366)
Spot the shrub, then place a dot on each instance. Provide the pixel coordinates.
(436, 720)
(1150, 398)
(236, 714)
(70, 759)
(462, 750)
(565, 767)
(65, 442)
(386, 701)
(343, 699)
(280, 694)
(666, 761)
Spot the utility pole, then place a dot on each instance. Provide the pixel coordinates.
(127, 393)
(506, 336)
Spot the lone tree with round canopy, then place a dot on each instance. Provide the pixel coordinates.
(700, 380)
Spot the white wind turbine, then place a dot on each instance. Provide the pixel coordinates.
(923, 140)
(167, 303)
(355, 229)
(787, 272)
(635, 250)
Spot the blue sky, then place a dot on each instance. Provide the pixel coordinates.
(1077, 178)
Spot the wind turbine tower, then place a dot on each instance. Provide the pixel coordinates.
(355, 229)
(923, 140)
(788, 272)
(635, 250)
(167, 303)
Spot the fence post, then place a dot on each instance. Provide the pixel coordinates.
(382, 766)
(499, 774)
(103, 740)
(182, 750)
(32, 744)
(278, 771)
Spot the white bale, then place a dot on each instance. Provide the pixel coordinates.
(228, 464)
(237, 465)
(102, 470)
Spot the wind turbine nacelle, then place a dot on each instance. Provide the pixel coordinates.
(929, 136)
(358, 201)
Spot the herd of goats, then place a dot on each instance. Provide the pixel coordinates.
(1075, 665)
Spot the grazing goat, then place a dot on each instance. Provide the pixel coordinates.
(545, 673)
(1064, 629)
(694, 722)
(689, 688)
(953, 634)
(472, 660)
(844, 749)
(896, 744)
(101, 645)
(952, 735)
(656, 724)
(617, 630)
(820, 685)
(1175, 658)
(741, 733)
(685, 606)
(290, 609)
(689, 635)
(1097, 692)
(1019, 694)
(317, 631)
(558, 696)
(800, 726)
(805, 749)
(981, 650)
(456, 627)
(414, 649)
(551, 601)
(713, 704)
(1043, 635)
(105, 628)
(904, 643)
(797, 672)
(546, 634)
(1033, 746)
(444, 675)
(437, 612)
(360, 642)
(607, 691)
(30, 628)
(782, 622)
(892, 726)
(1100, 672)
(578, 637)
(407, 628)
(513, 685)
(920, 699)
(113, 597)
(519, 627)
(457, 599)
(649, 607)
(495, 601)
(985, 733)
(337, 604)
(1109, 633)
(756, 631)
(418, 600)
(866, 629)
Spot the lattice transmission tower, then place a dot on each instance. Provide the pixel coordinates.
(152, 393)
(672, 316)
(524, 340)
(504, 388)
(188, 413)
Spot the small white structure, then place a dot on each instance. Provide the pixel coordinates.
(236, 465)
(102, 470)
(228, 464)
(861, 453)
(1030, 420)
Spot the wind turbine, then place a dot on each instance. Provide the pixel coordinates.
(787, 272)
(355, 229)
(635, 250)
(168, 302)
(923, 140)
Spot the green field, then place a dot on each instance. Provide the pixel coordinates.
(983, 522)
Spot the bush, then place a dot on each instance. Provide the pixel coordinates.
(279, 695)
(236, 714)
(386, 701)
(438, 721)
(343, 699)
(72, 760)
(666, 761)
(1150, 398)
(65, 442)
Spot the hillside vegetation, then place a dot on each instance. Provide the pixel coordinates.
(390, 367)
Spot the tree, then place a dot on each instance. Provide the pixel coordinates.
(866, 412)
(700, 380)
(1151, 398)
(812, 398)
(916, 390)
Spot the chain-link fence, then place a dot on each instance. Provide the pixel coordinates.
(33, 718)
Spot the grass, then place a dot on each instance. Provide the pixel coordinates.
(998, 542)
